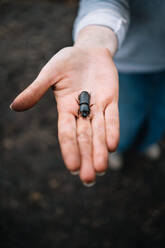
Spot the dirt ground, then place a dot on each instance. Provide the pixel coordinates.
(41, 204)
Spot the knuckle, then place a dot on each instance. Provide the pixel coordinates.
(44, 70)
(65, 137)
(83, 137)
(113, 121)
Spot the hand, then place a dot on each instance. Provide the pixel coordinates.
(84, 142)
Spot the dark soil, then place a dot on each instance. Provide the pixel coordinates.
(41, 203)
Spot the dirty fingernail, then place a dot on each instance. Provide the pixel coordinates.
(75, 173)
(100, 174)
(89, 184)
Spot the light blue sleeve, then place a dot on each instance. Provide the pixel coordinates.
(110, 13)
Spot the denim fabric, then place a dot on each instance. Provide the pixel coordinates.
(141, 104)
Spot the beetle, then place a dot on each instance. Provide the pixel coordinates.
(84, 102)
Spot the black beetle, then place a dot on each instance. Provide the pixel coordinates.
(84, 102)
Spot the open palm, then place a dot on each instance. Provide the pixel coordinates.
(84, 142)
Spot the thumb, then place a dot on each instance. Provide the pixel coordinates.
(34, 92)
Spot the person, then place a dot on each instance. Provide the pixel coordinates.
(110, 36)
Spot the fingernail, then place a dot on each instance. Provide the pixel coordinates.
(100, 174)
(11, 107)
(75, 173)
(89, 184)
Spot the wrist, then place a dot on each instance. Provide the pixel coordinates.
(97, 37)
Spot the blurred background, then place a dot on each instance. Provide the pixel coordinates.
(41, 203)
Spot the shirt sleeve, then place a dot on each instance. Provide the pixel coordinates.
(110, 13)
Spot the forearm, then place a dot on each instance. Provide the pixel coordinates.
(96, 36)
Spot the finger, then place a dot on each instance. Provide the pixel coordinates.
(84, 137)
(112, 126)
(34, 92)
(68, 141)
(100, 151)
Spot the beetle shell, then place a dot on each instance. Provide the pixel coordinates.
(84, 101)
(84, 110)
(84, 97)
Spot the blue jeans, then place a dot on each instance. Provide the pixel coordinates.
(141, 110)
